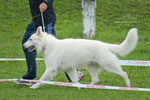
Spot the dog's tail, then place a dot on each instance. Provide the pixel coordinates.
(127, 45)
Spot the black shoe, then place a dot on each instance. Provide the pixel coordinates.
(80, 76)
(22, 82)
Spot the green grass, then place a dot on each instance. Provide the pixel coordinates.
(113, 19)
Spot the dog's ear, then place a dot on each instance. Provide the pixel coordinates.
(39, 30)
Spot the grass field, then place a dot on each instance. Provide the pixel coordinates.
(113, 19)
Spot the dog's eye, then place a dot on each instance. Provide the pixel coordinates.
(30, 39)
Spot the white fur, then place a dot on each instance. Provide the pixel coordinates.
(67, 54)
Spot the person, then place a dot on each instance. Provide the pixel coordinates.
(36, 7)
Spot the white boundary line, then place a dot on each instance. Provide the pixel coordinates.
(17, 59)
(134, 63)
(81, 85)
(122, 62)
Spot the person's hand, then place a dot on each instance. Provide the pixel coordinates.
(43, 7)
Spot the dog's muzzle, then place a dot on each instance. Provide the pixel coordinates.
(30, 49)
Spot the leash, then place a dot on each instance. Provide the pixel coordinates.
(81, 85)
(43, 21)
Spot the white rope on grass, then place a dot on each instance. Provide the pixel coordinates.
(17, 59)
(134, 63)
(81, 85)
(122, 62)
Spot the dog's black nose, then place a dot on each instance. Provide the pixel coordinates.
(23, 46)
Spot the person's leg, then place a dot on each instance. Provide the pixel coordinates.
(49, 28)
(68, 77)
(30, 56)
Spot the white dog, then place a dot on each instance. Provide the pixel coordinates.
(67, 54)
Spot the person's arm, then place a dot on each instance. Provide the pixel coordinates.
(33, 8)
(46, 4)
(49, 3)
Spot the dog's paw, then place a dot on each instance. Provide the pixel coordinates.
(34, 87)
(79, 88)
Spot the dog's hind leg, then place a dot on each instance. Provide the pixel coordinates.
(122, 74)
(48, 75)
(125, 77)
(72, 72)
(94, 70)
(115, 68)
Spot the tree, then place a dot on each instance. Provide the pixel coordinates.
(89, 18)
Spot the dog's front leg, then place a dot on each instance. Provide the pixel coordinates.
(48, 75)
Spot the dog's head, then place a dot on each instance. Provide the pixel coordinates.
(34, 40)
